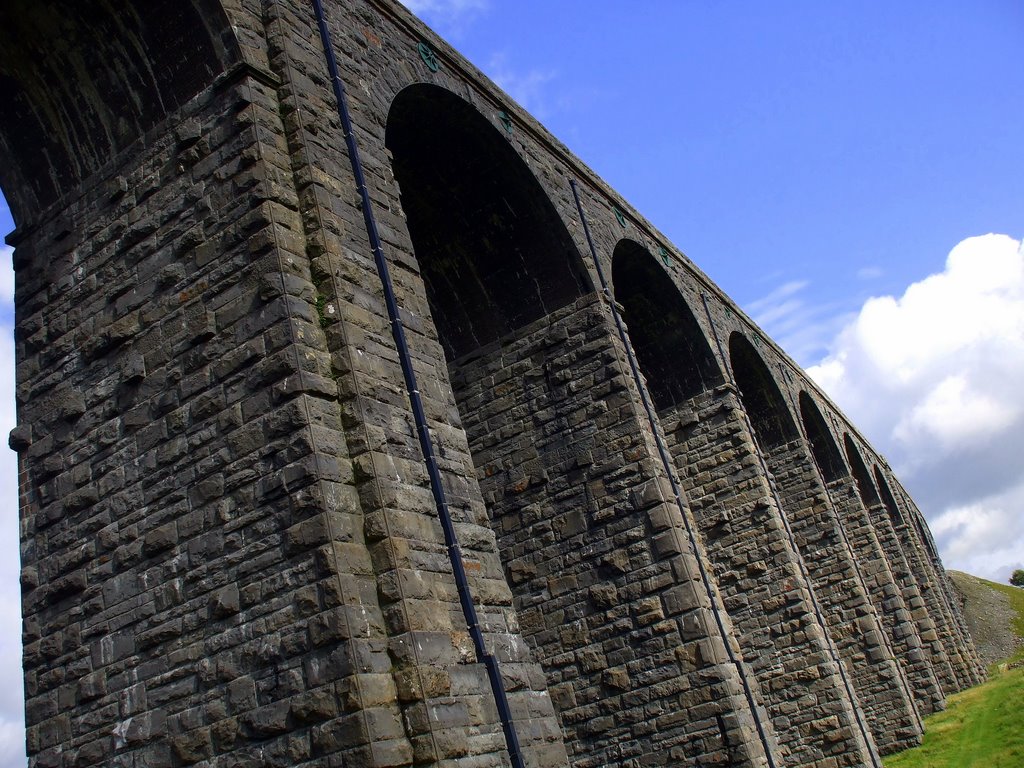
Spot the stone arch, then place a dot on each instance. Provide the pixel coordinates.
(715, 457)
(82, 81)
(563, 462)
(906, 516)
(887, 498)
(771, 418)
(891, 584)
(944, 643)
(833, 569)
(493, 252)
(823, 445)
(868, 492)
(670, 345)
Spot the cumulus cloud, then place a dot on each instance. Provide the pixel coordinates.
(934, 377)
(976, 536)
(12, 717)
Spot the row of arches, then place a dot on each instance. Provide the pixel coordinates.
(591, 542)
(814, 563)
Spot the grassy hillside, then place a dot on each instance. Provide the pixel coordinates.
(982, 727)
(1016, 597)
(994, 615)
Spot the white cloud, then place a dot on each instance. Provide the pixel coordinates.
(783, 293)
(954, 412)
(782, 311)
(12, 744)
(934, 378)
(869, 273)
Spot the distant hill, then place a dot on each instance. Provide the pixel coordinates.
(995, 617)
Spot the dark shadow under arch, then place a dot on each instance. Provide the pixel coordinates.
(670, 346)
(772, 420)
(81, 81)
(868, 493)
(823, 445)
(887, 498)
(493, 252)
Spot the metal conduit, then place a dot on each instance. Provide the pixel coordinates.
(419, 416)
(676, 491)
(869, 741)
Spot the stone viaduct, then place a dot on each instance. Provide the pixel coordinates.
(360, 424)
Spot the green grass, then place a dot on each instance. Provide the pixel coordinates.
(982, 727)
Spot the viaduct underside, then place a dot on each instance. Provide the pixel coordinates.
(360, 424)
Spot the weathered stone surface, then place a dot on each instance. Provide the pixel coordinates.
(233, 548)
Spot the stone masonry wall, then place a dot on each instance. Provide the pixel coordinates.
(970, 671)
(935, 631)
(932, 650)
(196, 578)
(953, 639)
(762, 585)
(853, 624)
(231, 548)
(901, 634)
(603, 582)
(444, 695)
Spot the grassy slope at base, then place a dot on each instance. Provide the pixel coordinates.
(982, 727)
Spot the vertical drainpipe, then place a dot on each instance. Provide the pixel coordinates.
(419, 416)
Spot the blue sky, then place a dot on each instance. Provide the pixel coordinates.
(833, 166)
(847, 146)
(820, 161)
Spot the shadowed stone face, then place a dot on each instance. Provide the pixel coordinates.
(494, 254)
(772, 421)
(670, 345)
(231, 545)
(80, 81)
(823, 446)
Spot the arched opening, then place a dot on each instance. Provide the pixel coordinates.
(493, 252)
(893, 588)
(528, 346)
(715, 458)
(670, 346)
(772, 421)
(81, 81)
(868, 493)
(818, 529)
(561, 456)
(823, 445)
(887, 498)
(937, 633)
